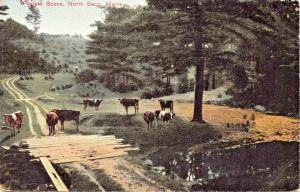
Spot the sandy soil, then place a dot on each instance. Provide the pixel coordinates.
(129, 176)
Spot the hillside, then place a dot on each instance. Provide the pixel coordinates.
(63, 51)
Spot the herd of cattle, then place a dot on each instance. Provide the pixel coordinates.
(15, 120)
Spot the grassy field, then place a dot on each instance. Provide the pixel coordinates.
(265, 127)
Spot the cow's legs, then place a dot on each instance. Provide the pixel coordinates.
(84, 108)
(62, 124)
(77, 123)
(148, 126)
(126, 108)
(49, 127)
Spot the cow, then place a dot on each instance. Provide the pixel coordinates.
(51, 120)
(167, 116)
(157, 112)
(92, 103)
(67, 115)
(14, 121)
(149, 118)
(130, 102)
(166, 104)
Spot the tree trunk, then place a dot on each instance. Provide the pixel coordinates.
(214, 81)
(199, 65)
(207, 82)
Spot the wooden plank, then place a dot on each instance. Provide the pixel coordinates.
(77, 154)
(78, 142)
(70, 160)
(56, 180)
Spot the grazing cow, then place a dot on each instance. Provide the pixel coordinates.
(51, 120)
(67, 115)
(166, 104)
(157, 112)
(149, 118)
(14, 121)
(166, 117)
(92, 103)
(130, 102)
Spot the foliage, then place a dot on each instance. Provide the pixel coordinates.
(1, 92)
(239, 76)
(86, 76)
(34, 17)
(157, 92)
(168, 36)
(3, 8)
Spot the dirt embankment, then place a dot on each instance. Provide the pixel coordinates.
(18, 171)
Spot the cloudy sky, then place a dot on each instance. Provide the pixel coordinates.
(64, 17)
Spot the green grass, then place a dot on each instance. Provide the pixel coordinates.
(9, 105)
(134, 130)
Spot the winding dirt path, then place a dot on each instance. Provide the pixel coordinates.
(20, 96)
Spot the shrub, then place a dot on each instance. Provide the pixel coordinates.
(183, 86)
(192, 85)
(1, 92)
(125, 88)
(86, 76)
(149, 94)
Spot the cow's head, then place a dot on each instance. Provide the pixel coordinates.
(172, 115)
(19, 115)
(121, 101)
(6, 118)
(54, 110)
(161, 101)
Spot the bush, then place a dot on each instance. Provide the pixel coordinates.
(86, 76)
(1, 92)
(183, 86)
(125, 88)
(192, 85)
(155, 93)
(239, 76)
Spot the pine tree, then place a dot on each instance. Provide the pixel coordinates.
(34, 18)
(209, 20)
(3, 8)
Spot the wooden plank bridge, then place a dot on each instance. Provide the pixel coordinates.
(73, 148)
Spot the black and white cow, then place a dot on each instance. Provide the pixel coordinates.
(166, 104)
(92, 103)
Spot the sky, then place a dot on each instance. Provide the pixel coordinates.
(64, 17)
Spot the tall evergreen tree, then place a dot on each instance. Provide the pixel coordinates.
(34, 18)
(246, 21)
(3, 8)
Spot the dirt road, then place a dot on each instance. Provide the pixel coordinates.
(21, 97)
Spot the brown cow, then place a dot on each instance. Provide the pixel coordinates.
(51, 120)
(130, 102)
(67, 115)
(149, 118)
(14, 121)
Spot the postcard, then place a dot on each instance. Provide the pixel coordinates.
(149, 95)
